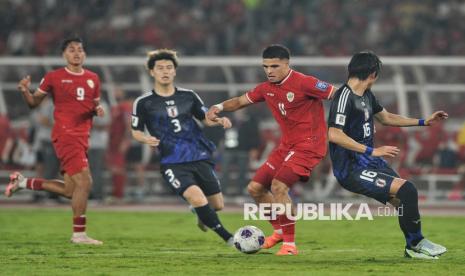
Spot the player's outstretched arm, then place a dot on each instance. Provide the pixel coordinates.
(389, 119)
(145, 139)
(232, 104)
(338, 136)
(220, 121)
(32, 98)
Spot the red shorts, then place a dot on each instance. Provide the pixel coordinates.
(72, 153)
(288, 164)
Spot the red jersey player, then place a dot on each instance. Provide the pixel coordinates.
(76, 93)
(295, 100)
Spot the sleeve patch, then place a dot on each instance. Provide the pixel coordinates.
(340, 119)
(321, 85)
(135, 121)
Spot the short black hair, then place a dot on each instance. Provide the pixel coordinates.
(364, 64)
(160, 55)
(276, 51)
(67, 41)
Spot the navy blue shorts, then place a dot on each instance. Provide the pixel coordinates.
(182, 176)
(372, 182)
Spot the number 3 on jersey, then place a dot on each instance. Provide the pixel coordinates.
(80, 93)
(177, 125)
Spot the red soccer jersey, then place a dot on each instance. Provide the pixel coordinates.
(74, 97)
(296, 104)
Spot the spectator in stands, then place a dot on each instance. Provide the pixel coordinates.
(120, 141)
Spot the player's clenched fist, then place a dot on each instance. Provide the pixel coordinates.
(24, 84)
(99, 111)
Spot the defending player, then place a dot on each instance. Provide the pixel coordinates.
(295, 100)
(168, 113)
(358, 166)
(76, 94)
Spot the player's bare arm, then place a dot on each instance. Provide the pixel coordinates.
(221, 121)
(145, 139)
(338, 136)
(390, 119)
(32, 99)
(232, 104)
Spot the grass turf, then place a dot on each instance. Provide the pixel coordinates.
(35, 242)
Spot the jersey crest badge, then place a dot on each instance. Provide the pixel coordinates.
(172, 111)
(290, 96)
(367, 115)
(90, 83)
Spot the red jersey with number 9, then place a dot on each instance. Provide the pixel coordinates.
(74, 96)
(296, 104)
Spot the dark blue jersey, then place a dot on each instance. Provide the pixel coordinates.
(354, 115)
(171, 120)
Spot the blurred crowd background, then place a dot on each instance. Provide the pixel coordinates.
(217, 27)
(220, 27)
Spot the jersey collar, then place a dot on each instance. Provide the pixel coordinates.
(75, 74)
(285, 79)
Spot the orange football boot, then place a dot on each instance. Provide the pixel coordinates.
(287, 249)
(272, 240)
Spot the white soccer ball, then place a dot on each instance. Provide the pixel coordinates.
(249, 239)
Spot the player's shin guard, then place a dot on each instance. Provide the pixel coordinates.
(79, 224)
(288, 227)
(209, 217)
(34, 183)
(409, 219)
(276, 225)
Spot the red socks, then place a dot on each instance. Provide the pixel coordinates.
(288, 227)
(34, 184)
(79, 224)
(275, 223)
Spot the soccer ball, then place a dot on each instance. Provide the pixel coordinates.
(249, 239)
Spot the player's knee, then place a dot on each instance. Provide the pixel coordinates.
(68, 193)
(218, 206)
(255, 189)
(410, 187)
(407, 189)
(278, 187)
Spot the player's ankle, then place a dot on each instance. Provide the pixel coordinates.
(79, 234)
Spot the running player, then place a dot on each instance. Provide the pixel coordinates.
(169, 114)
(359, 167)
(76, 93)
(295, 101)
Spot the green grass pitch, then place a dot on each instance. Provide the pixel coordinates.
(36, 242)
